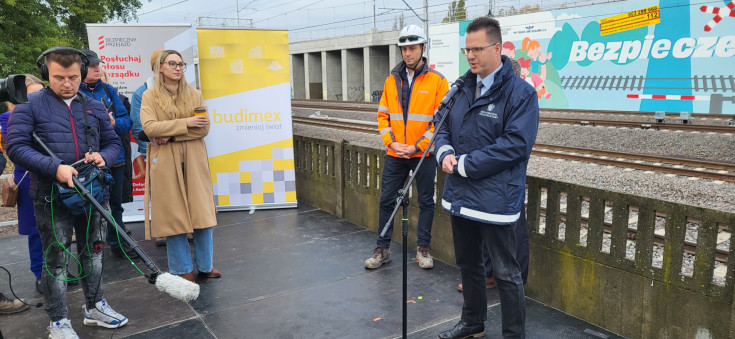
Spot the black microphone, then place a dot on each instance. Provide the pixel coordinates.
(456, 87)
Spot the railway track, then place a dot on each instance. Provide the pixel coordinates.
(679, 166)
(641, 125)
(688, 127)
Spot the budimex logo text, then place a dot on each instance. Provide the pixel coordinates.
(244, 116)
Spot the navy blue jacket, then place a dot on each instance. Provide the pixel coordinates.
(492, 139)
(62, 129)
(122, 118)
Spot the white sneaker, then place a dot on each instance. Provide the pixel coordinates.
(424, 258)
(103, 315)
(62, 330)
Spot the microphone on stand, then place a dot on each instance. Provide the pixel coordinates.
(456, 87)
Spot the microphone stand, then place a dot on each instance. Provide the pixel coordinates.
(88, 196)
(402, 201)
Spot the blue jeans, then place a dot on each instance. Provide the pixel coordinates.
(179, 255)
(395, 173)
(118, 174)
(500, 241)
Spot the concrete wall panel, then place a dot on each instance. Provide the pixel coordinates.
(355, 77)
(334, 75)
(378, 71)
(313, 66)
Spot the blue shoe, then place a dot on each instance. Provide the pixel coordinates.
(103, 315)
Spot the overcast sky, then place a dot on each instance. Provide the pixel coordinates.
(304, 18)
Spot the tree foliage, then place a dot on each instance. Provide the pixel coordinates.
(29, 27)
(456, 12)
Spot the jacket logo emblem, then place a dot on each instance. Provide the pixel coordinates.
(423, 92)
(488, 113)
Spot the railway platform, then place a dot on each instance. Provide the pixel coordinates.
(288, 273)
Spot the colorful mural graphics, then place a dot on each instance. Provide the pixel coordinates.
(673, 56)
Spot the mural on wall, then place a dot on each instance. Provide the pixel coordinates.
(636, 55)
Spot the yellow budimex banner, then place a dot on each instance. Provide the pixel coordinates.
(245, 83)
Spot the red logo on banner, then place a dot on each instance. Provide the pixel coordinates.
(101, 42)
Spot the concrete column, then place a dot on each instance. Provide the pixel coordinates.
(325, 82)
(334, 75)
(298, 82)
(290, 73)
(343, 58)
(378, 71)
(394, 55)
(355, 75)
(366, 73)
(307, 76)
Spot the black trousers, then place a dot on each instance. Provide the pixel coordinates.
(501, 245)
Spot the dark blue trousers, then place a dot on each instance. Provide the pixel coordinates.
(521, 249)
(500, 240)
(395, 173)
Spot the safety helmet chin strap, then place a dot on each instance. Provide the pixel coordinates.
(421, 57)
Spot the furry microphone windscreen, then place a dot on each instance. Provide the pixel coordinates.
(177, 287)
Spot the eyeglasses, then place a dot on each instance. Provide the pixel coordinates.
(174, 65)
(476, 50)
(409, 38)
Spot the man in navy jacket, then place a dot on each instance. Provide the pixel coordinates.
(120, 119)
(57, 115)
(484, 147)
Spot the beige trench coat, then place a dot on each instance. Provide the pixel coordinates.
(181, 200)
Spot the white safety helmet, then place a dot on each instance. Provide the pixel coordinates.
(411, 35)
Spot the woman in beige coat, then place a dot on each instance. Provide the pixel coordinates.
(178, 183)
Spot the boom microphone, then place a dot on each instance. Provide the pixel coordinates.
(456, 86)
(174, 285)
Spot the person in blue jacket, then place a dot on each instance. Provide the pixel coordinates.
(484, 147)
(95, 88)
(76, 128)
(26, 218)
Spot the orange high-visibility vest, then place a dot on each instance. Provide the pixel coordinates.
(427, 91)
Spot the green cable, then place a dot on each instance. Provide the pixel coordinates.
(79, 263)
(119, 243)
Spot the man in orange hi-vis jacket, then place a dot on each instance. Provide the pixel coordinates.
(411, 95)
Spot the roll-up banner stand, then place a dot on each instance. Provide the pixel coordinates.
(126, 50)
(245, 82)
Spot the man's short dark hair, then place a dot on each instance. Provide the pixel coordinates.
(65, 58)
(491, 27)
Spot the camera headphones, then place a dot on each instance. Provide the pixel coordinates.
(43, 69)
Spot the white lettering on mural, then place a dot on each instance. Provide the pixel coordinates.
(623, 51)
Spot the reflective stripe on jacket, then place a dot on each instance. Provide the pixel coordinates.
(427, 90)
